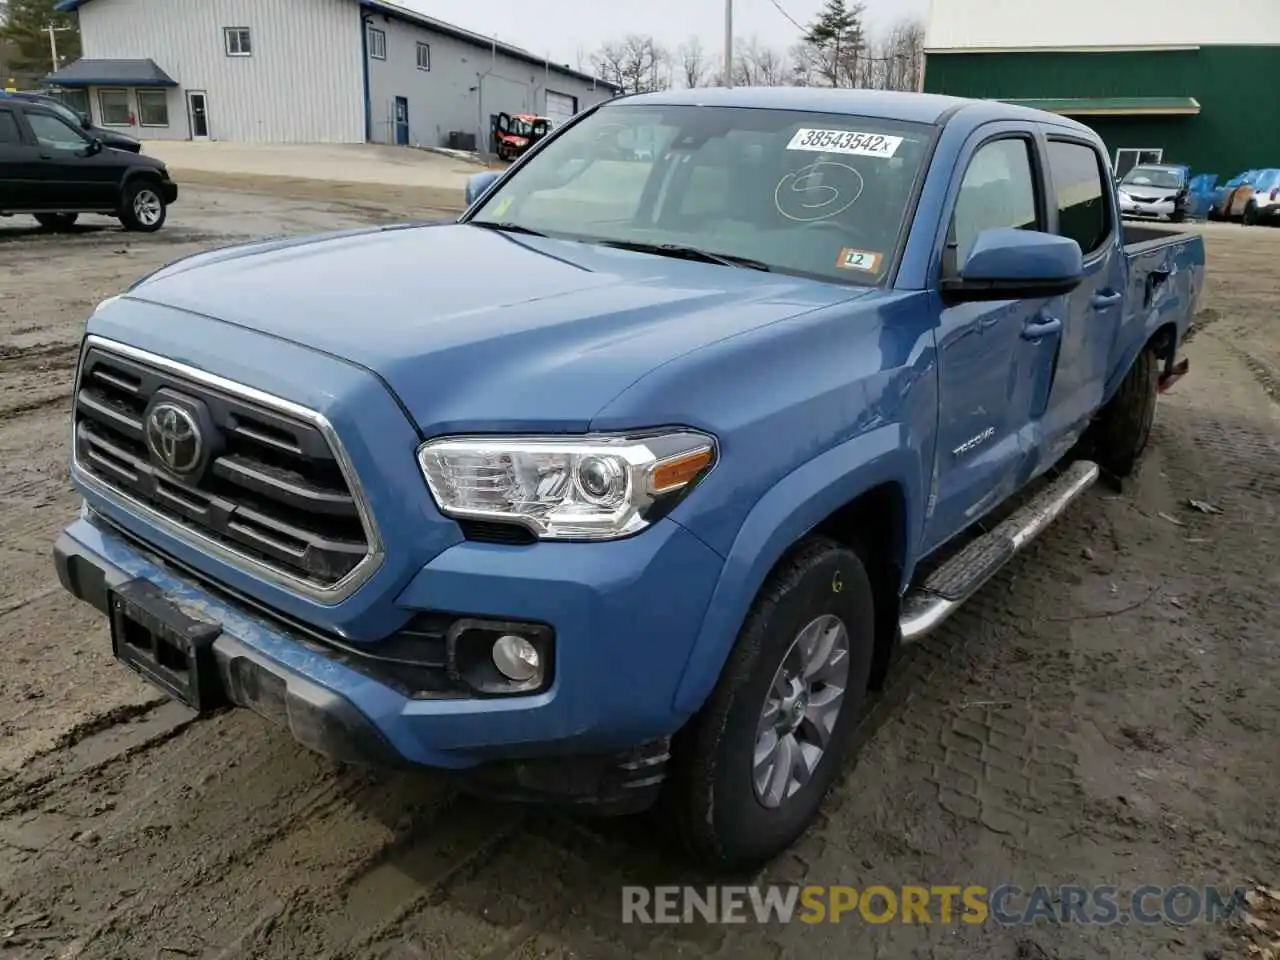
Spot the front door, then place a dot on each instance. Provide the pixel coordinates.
(198, 114)
(402, 122)
(1092, 313)
(74, 176)
(995, 359)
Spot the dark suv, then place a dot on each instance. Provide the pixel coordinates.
(52, 169)
(109, 138)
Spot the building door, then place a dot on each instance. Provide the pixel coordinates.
(402, 122)
(560, 107)
(1129, 157)
(198, 114)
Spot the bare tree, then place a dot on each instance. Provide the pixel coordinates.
(757, 65)
(693, 62)
(638, 64)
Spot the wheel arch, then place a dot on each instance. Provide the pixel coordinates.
(861, 493)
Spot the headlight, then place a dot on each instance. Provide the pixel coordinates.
(566, 488)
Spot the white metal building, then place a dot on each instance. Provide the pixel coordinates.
(304, 71)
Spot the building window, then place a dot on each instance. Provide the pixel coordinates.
(237, 41)
(1084, 213)
(114, 107)
(377, 44)
(153, 108)
(998, 190)
(424, 56)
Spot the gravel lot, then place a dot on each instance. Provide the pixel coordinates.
(1105, 712)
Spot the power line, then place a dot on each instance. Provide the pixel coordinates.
(794, 22)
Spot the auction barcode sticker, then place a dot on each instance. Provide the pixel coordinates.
(848, 142)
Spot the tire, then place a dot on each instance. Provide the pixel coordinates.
(1179, 216)
(57, 221)
(1250, 218)
(1124, 425)
(720, 814)
(142, 208)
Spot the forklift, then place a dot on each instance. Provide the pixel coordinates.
(513, 135)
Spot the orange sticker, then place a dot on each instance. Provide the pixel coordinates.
(859, 260)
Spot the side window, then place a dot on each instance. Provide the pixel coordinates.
(9, 132)
(998, 190)
(1084, 214)
(54, 133)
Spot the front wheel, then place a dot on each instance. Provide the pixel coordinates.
(142, 208)
(1250, 217)
(751, 770)
(57, 221)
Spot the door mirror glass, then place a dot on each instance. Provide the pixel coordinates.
(1011, 264)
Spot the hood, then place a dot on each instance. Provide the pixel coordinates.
(115, 139)
(474, 329)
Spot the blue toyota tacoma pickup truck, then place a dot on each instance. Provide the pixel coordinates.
(624, 487)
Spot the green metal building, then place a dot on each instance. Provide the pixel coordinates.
(1214, 106)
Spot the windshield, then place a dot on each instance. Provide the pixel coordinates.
(520, 127)
(819, 195)
(1160, 177)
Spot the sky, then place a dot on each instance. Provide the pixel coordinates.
(563, 28)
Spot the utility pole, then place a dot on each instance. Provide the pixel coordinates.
(53, 47)
(728, 43)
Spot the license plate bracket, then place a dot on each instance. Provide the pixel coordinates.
(165, 645)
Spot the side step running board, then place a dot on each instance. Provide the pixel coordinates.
(960, 577)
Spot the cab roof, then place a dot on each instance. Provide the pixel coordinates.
(932, 108)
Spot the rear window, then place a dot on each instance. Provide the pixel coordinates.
(1084, 214)
(9, 132)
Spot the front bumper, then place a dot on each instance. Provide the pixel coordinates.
(599, 729)
(1148, 211)
(169, 191)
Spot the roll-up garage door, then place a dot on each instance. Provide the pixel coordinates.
(560, 106)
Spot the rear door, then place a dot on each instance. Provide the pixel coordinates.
(1082, 208)
(17, 161)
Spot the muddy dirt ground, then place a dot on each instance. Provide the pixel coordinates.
(1106, 712)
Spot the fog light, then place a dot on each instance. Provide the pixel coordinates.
(516, 658)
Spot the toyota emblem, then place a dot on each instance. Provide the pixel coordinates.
(173, 437)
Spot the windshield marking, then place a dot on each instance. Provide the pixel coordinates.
(807, 187)
(848, 142)
(866, 260)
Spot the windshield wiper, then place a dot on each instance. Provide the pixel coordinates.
(687, 253)
(506, 227)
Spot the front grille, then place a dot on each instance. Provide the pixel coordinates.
(269, 487)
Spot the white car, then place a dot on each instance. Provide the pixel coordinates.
(1154, 191)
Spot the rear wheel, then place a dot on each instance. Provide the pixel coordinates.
(141, 206)
(57, 221)
(1123, 427)
(1250, 214)
(750, 772)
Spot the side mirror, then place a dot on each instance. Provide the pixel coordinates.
(1010, 264)
(94, 148)
(85, 121)
(478, 183)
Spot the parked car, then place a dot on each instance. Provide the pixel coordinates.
(110, 138)
(632, 485)
(1260, 201)
(1155, 191)
(51, 169)
(1230, 197)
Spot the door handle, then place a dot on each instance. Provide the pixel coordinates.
(1101, 301)
(1041, 327)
